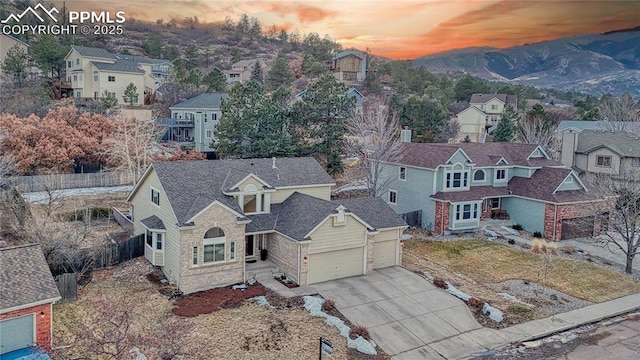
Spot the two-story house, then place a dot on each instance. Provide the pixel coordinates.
(94, 71)
(349, 66)
(608, 152)
(240, 71)
(205, 220)
(193, 120)
(479, 118)
(451, 187)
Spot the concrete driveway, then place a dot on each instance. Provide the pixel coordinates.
(407, 316)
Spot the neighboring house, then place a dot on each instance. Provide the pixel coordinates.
(240, 71)
(349, 66)
(27, 292)
(451, 187)
(204, 220)
(480, 117)
(92, 71)
(601, 151)
(193, 120)
(351, 93)
(6, 43)
(577, 126)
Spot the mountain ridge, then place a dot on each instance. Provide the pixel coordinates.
(593, 63)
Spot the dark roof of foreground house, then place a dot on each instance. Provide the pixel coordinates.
(153, 222)
(301, 213)
(623, 143)
(430, 155)
(93, 52)
(125, 66)
(544, 182)
(483, 98)
(191, 186)
(202, 101)
(25, 277)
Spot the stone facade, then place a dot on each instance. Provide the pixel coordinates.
(200, 277)
(42, 314)
(284, 253)
(442, 217)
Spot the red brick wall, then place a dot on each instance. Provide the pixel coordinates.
(442, 217)
(43, 323)
(564, 212)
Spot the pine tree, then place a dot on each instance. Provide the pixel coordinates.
(215, 81)
(130, 94)
(15, 63)
(256, 74)
(505, 128)
(280, 74)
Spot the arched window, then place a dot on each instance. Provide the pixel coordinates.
(214, 246)
(478, 175)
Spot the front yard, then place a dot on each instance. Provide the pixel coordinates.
(121, 309)
(488, 270)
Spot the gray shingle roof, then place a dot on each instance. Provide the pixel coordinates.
(581, 125)
(300, 213)
(93, 52)
(119, 66)
(483, 98)
(202, 101)
(543, 183)
(624, 144)
(192, 185)
(374, 211)
(25, 277)
(430, 155)
(153, 222)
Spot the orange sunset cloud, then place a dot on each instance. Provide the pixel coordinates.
(403, 28)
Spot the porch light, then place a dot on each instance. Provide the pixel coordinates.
(401, 243)
(41, 313)
(305, 260)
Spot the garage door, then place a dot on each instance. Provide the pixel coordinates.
(577, 228)
(16, 333)
(384, 254)
(335, 264)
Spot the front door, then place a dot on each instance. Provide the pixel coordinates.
(248, 246)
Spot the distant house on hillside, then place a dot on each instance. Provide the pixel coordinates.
(479, 118)
(193, 120)
(349, 66)
(92, 71)
(7, 42)
(240, 71)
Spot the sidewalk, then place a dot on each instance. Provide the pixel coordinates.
(479, 342)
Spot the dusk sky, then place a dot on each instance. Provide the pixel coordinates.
(402, 28)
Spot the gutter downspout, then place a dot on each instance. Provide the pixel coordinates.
(555, 220)
(299, 251)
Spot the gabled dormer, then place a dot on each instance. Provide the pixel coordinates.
(456, 172)
(570, 182)
(253, 194)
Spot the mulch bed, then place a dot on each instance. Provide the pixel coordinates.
(206, 302)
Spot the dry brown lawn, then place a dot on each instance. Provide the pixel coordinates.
(247, 332)
(487, 262)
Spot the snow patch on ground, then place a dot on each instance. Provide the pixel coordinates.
(42, 196)
(261, 300)
(407, 236)
(491, 235)
(239, 287)
(313, 304)
(494, 314)
(514, 299)
(457, 293)
(510, 230)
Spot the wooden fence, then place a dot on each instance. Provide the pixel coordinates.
(117, 252)
(27, 184)
(67, 286)
(123, 220)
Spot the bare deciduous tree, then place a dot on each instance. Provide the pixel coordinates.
(623, 231)
(618, 111)
(130, 147)
(537, 130)
(373, 136)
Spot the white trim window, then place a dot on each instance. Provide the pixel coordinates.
(209, 134)
(402, 173)
(195, 260)
(155, 196)
(456, 178)
(501, 175)
(393, 197)
(603, 161)
(479, 175)
(214, 246)
(466, 211)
